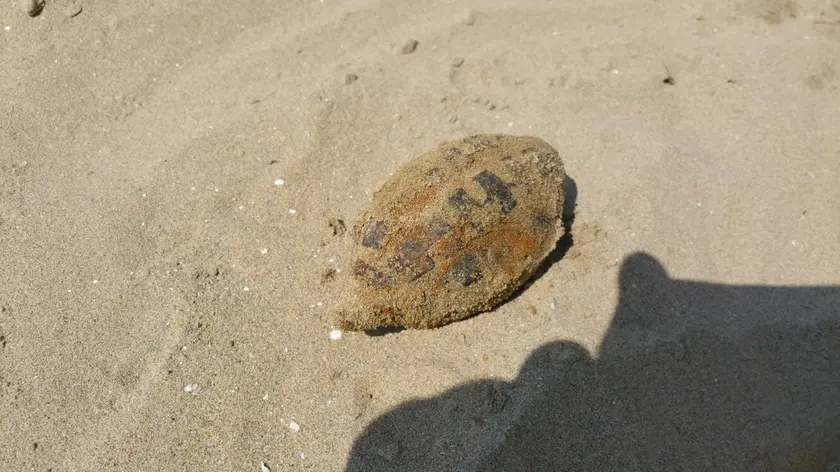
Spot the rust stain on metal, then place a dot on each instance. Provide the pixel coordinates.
(455, 231)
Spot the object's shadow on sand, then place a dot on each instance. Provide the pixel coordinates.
(567, 240)
(563, 244)
(690, 376)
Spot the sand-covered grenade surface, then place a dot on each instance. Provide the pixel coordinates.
(455, 232)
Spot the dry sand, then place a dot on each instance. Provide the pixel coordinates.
(145, 247)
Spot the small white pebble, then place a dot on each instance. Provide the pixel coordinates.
(320, 304)
(245, 289)
(191, 388)
(294, 427)
(335, 334)
(292, 211)
(279, 182)
(510, 124)
(264, 250)
(7, 28)
(217, 190)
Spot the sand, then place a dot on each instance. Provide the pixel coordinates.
(690, 322)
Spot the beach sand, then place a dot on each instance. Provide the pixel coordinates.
(168, 172)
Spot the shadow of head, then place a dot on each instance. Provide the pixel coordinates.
(690, 376)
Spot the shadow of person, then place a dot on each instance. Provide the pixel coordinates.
(690, 376)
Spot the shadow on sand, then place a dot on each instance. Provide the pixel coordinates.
(690, 376)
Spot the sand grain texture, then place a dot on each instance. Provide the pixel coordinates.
(145, 247)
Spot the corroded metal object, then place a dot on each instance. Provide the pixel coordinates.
(455, 232)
